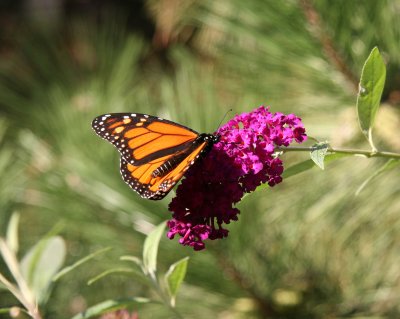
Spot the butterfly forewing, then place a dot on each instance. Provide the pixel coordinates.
(138, 136)
(155, 153)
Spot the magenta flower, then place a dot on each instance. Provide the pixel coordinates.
(242, 160)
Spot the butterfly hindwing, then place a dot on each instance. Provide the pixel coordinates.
(143, 180)
(155, 153)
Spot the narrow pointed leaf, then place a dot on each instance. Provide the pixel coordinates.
(12, 264)
(138, 276)
(387, 166)
(67, 269)
(111, 305)
(370, 91)
(298, 168)
(302, 167)
(111, 271)
(318, 153)
(12, 233)
(308, 164)
(150, 249)
(174, 277)
(134, 259)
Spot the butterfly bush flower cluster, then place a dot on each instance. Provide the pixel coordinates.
(243, 159)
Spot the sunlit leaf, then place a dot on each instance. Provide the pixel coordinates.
(41, 263)
(150, 249)
(12, 233)
(12, 264)
(174, 277)
(370, 91)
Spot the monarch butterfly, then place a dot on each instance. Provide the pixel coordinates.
(155, 153)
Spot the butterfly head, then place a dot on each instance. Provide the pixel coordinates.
(211, 139)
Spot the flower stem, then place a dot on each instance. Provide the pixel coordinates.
(351, 151)
(163, 295)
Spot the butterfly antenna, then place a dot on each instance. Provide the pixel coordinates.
(226, 113)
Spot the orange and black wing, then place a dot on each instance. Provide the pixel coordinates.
(155, 153)
(156, 178)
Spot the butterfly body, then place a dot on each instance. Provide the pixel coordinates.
(155, 153)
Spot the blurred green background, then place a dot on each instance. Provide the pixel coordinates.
(307, 248)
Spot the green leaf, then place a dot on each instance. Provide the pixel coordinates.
(150, 249)
(387, 166)
(318, 153)
(111, 271)
(302, 167)
(110, 305)
(174, 277)
(298, 168)
(12, 233)
(307, 164)
(134, 259)
(291, 171)
(78, 263)
(369, 96)
(124, 271)
(41, 263)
